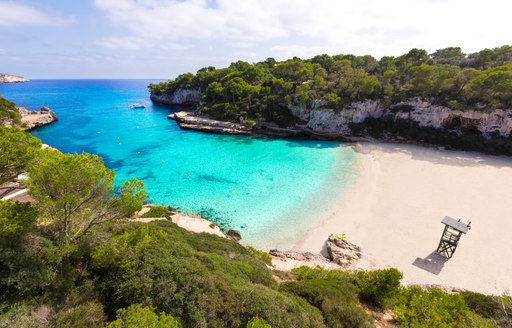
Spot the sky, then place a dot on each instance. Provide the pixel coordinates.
(164, 38)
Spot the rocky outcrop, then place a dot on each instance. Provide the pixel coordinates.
(297, 255)
(191, 121)
(289, 259)
(7, 78)
(341, 251)
(324, 120)
(234, 234)
(341, 254)
(418, 111)
(181, 97)
(31, 119)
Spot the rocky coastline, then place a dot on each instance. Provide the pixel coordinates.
(191, 121)
(415, 120)
(31, 119)
(8, 78)
(341, 253)
(182, 97)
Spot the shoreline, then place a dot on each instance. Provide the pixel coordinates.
(394, 209)
(31, 119)
(189, 120)
(454, 272)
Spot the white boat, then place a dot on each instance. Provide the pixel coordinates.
(137, 105)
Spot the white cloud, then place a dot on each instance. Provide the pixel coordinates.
(277, 27)
(12, 13)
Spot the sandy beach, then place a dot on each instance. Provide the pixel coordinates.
(395, 208)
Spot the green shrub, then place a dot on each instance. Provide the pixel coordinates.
(476, 321)
(222, 111)
(18, 151)
(189, 276)
(264, 256)
(379, 287)
(248, 123)
(306, 273)
(258, 322)
(85, 315)
(22, 315)
(137, 316)
(487, 306)
(27, 260)
(337, 302)
(279, 309)
(499, 309)
(434, 308)
(8, 112)
(157, 211)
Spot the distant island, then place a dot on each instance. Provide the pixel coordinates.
(445, 98)
(8, 78)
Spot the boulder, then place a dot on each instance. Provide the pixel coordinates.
(234, 234)
(341, 251)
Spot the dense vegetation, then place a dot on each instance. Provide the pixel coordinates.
(72, 259)
(157, 211)
(8, 112)
(267, 89)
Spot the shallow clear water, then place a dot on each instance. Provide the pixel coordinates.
(271, 190)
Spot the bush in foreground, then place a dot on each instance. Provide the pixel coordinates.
(379, 287)
(136, 316)
(157, 211)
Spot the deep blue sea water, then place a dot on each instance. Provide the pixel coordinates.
(271, 190)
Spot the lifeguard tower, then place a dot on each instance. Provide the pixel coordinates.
(453, 229)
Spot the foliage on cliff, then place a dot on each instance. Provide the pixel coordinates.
(267, 89)
(9, 114)
(17, 151)
(71, 260)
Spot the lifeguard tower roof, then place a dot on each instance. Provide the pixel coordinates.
(456, 224)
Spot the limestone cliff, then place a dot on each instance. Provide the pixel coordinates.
(182, 97)
(415, 119)
(7, 78)
(423, 113)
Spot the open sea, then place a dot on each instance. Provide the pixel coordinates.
(271, 190)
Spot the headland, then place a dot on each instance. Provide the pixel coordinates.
(8, 78)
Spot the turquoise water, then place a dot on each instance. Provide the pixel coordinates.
(271, 190)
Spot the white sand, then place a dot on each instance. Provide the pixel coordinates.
(403, 192)
(196, 224)
(190, 222)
